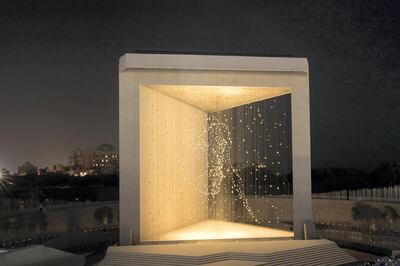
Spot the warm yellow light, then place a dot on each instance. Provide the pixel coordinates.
(178, 166)
(211, 229)
(218, 98)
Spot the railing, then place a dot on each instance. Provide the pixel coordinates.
(22, 229)
(384, 194)
(56, 207)
(377, 241)
(37, 239)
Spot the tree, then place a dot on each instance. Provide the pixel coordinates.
(364, 212)
(103, 215)
(390, 214)
(388, 174)
(38, 221)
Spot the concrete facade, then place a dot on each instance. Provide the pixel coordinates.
(138, 70)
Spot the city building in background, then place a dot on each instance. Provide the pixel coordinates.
(101, 160)
(54, 169)
(57, 168)
(27, 169)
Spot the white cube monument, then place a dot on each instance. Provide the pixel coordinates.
(164, 106)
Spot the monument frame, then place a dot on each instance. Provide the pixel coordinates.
(136, 70)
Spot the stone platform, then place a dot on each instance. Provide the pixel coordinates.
(246, 253)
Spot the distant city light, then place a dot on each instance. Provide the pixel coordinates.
(82, 174)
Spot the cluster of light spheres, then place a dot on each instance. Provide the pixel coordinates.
(245, 154)
(244, 161)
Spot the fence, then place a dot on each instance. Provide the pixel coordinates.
(51, 205)
(66, 237)
(10, 203)
(33, 225)
(376, 241)
(13, 205)
(384, 194)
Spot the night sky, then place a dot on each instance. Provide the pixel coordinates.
(59, 68)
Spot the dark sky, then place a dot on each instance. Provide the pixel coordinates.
(59, 68)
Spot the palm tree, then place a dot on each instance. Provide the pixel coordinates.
(391, 215)
(103, 216)
(366, 213)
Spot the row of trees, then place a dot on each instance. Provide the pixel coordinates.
(331, 179)
(58, 180)
(323, 180)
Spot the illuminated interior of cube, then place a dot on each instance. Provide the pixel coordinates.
(203, 165)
